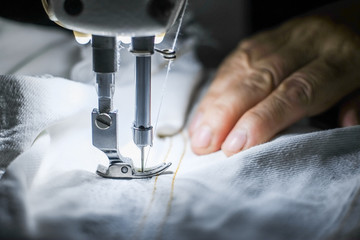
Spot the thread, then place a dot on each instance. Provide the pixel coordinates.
(164, 85)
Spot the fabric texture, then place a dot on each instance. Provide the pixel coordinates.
(27, 108)
(304, 184)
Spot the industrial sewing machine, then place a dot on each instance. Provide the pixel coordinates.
(105, 20)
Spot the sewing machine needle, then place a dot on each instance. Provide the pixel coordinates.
(142, 158)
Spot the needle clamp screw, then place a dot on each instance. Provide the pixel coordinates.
(103, 121)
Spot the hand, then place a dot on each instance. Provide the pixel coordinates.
(273, 80)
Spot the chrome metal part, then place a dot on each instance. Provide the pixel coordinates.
(167, 54)
(142, 149)
(120, 167)
(123, 170)
(106, 138)
(143, 48)
(103, 121)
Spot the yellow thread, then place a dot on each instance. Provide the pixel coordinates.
(171, 197)
(146, 214)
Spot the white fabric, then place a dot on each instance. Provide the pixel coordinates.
(298, 186)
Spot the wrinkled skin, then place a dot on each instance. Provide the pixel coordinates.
(276, 78)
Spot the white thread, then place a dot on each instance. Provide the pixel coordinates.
(163, 88)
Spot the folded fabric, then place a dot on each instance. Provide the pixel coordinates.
(28, 107)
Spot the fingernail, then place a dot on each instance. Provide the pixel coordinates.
(235, 141)
(196, 121)
(201, 137)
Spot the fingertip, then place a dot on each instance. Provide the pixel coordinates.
(255, 127)
(209, 129)
(203, 140)
(234, 142)
(202, 137)
(350, 118)
(349, 114)
(200, 151)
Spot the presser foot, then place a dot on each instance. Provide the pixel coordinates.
(124, 170)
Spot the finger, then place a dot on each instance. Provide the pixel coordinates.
(248, 78)
(219, 111)
(235, 90)
(350, 111)
(309, 91)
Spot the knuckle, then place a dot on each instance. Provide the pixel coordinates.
(274, 68)
(310, 28)
(274, 111)
(299, 91)
(260, 118)
(260, 81)
(257, 116)
(341, 56)
(343, 43)
(235, 63)
(344, 48)
(246, 43)
(267, 76)
(350, 46)
(242, 59)
(280, 106)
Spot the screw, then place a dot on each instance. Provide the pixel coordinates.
(103, 121)
(124, 169)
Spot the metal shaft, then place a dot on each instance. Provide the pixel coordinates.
(142, 149)
(105, 66)
(106, 87)
(143, 48)
(143, 92)
(143, 102)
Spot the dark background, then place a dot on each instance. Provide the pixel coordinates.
(268, 13)
(25, 11)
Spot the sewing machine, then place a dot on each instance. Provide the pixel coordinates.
(105, 21)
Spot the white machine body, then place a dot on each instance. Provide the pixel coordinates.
(113, 18)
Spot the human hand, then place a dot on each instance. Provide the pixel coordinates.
(273, 80)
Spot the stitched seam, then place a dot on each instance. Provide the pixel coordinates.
(171, 196)
(148, 209)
